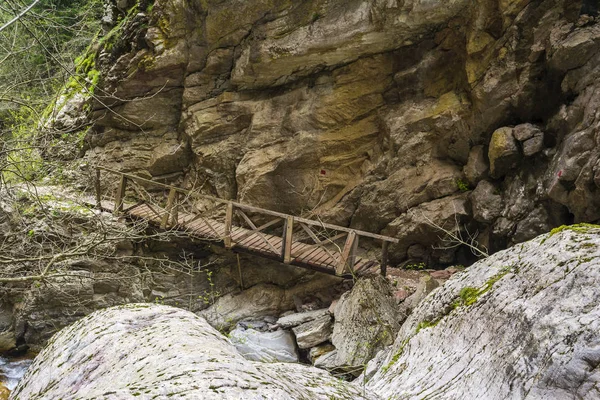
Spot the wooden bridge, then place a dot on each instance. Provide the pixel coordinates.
(289, 239)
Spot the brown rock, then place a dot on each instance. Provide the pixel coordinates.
(503, 152)
(477, 167)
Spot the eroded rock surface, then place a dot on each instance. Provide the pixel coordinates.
(522, 323)
(361, 111)
(152, 351)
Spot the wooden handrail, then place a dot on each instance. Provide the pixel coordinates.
(252, 208)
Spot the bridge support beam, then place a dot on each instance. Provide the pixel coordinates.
(384, 258)
(288, 233)
(120, 195)
(228, 221)
(348, 254)
(170, 212)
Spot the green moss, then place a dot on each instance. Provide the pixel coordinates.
(469, 295)
(579, 228)
(427, 324)
(396, 356)
(462, 185)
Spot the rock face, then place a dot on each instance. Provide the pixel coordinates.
(151, 351)
(360, 111)
(522, 323)
(366, 320)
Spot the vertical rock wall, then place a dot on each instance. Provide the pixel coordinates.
(367, 113)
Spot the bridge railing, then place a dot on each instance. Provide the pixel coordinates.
(279, 235)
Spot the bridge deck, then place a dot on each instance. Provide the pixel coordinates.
(302, 242)
(303, 254)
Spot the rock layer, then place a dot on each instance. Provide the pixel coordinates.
(361, 111)
(521, 324)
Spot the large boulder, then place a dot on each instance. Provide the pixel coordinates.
(522, 323)
(150, 351)
(366, 320)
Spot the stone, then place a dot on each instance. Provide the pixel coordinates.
(426, 285)
(258, 301)
(265, 300)
(417, 225)
(314, 332)
(523, 132)
(401, 295)
(533, 145)
(146, 350)
(535, 299)
(316, 352)
(366, 320)
(328, 361)
(503, 152)
(4, 392)
(292, 320)
(486, 203)
(476, 168)
(278, 346)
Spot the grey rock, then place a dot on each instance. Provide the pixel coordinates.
(145, 351)
(328, 361)
(476, 168)
(533, 145)
(486, 203)
(425, 286)
(291, 320)
(525, 303)
(278, 346)
(523, 132)
(318, 351)
(315, 332)
(366, 320)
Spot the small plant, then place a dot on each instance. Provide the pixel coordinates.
(415, 266)
(316, 16)
(462, 185)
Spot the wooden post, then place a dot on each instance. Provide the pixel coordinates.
(120, 195)
(168, 209)
(175, 211)
(384, 258)
(98, 190)
(341, 266)
(228, 221)
(352, 257)
(286, 247)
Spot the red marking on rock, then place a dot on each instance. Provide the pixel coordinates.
(559, 173)
(323, 172)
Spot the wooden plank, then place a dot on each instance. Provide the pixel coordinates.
(309, 254)
(260, 228)
(339, 269)
(384, 258)
(254, 228)
(120, 195)
(288, 234)
(352, 257)
(228, 222)
(319, 241)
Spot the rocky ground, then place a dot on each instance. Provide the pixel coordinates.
(519, 324)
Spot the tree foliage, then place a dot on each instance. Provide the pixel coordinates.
(38, 57)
